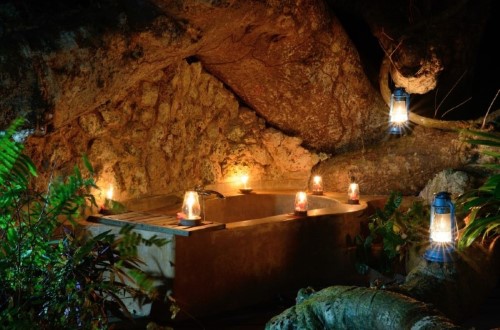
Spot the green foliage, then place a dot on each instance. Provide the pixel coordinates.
(53, 273)
(397, 231)
(482, 205)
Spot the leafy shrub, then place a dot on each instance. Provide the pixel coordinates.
(53, 273)
(482, 205)
(397, 231)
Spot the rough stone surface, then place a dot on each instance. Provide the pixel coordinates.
(104, 78)
(402, 164)
(454, 182)
(170, 134)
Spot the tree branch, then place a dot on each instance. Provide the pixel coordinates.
(385, 91)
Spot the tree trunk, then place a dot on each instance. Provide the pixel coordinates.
(349, 307)
(456, 289)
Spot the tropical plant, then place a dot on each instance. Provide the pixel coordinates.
(53, 273)
(397, 231)
(482, 205)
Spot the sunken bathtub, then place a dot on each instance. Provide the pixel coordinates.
(251, 248)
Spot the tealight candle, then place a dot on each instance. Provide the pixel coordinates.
(108, 201)
(301, 203)
(191, 209)
(109, 193)
(245, 189)
(353, 193)
(317, 187)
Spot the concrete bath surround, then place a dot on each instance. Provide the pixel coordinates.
(251, 248)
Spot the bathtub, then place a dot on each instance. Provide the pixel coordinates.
(258, 250)
(254, 208)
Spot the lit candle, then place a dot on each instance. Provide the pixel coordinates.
(191, 205)
(244, 180)
(317, 185)
(107, 206)
(245, 189)
(109, 193)
(353, 193)
(301, 202)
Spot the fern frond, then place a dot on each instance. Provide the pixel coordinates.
(16, 169)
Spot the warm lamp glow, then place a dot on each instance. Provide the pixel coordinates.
(109, 193)
(399, 115)
(244, 181)
(317, 187)
(399, 111)
(245, 189)
(191, 205)
(108, 203)
(353, 193)
(301, 202)
(441, 228)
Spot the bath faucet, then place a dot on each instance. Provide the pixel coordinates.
(207, 192)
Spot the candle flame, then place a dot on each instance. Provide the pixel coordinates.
(441, 228)
(190, 203)
(244, 180)
(399, 114)
(109, 193)
(301, 201)
(353, 191)
(317, 179)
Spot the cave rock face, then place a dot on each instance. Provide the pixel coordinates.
(294, 64)
(291, 62)
(166, 94)
(178, 129)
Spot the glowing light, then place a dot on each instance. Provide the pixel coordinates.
(399, 115)
(244, 181)
(109, 193)
(441, 228)
(399, 111)
(353, 193)
(191, 205)
(301, 202)
(317, 187)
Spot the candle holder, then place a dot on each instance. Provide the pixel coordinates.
(317, 186)
(353, 193)
(191, 210)
(245, 189)
(301, 203)
(107, 207)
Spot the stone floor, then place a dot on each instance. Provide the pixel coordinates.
(256, 317)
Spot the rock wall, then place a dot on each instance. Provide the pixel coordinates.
(178, 128)
(108, 78)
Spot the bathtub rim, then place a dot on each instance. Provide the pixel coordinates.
(339, 208)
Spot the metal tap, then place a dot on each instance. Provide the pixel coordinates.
(207, 192)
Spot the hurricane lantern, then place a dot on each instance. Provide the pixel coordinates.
(443, 229)
(399, 111)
